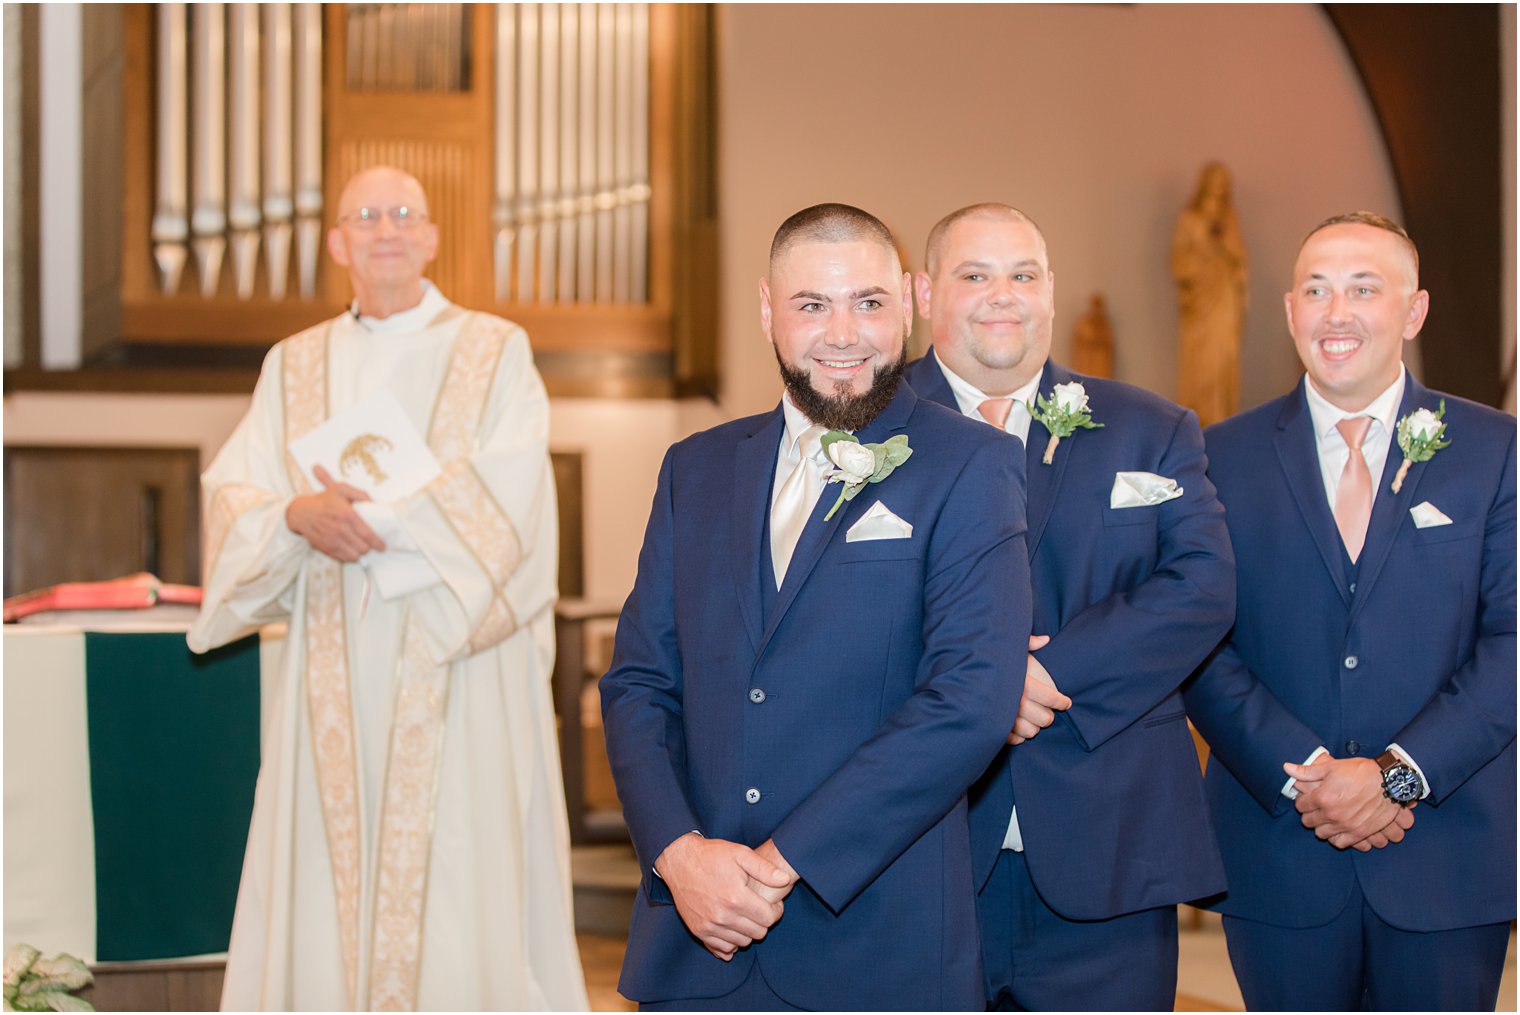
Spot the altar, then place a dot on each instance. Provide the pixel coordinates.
(128, 783)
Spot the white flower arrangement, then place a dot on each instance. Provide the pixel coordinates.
(33, 983)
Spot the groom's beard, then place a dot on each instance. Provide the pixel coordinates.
(843, 410)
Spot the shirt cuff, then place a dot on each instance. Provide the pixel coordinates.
(1406, 759)
(1290, 788)
(695, 831)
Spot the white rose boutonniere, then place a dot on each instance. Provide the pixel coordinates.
(856, 464)
(1062, 414)
(1419, 435)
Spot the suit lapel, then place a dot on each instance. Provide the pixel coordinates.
(818, 534)
(1044, 481)
(754, 471)
(1298, 453)
(1389, 508)
(929, 382)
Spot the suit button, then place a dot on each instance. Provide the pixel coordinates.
(752, 795)
(1351, 662)
(756, 695)
(1353, 748)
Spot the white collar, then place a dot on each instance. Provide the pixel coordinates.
(967, 393)
(796, 423)
(1384, 408)
(414, 318)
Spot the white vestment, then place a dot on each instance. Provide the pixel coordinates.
(408, 845)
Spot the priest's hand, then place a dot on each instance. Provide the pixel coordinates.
(328, 521)
(710, 882)
(1040, 701)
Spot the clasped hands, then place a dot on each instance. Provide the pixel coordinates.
(328, 521)
(1341, 800)
(727, 894)
(1040, 700)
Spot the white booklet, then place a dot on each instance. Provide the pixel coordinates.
(372, 445)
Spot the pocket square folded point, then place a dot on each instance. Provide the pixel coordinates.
(878, 523)
(1427, 516)
(1142, 489)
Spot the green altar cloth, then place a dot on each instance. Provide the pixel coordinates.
(174, 753)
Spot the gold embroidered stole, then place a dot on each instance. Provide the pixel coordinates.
(328, 698)
(416, 738)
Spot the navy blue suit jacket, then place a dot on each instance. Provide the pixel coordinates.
(1110, 799)
(1422, 653)
(889, 674)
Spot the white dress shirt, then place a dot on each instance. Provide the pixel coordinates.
(969, 400)
(1333, 453)
(1333, 450)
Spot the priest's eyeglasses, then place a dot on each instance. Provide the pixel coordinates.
(401, 216)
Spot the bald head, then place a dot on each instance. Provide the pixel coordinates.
(393, 184)
(830, 223)
(988, 211)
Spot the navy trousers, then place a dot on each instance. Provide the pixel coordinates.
(1037, 960)
(1356, 962)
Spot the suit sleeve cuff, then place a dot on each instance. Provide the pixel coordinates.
(1406, 759)
(1290, 788)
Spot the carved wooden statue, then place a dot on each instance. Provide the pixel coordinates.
(1092, 341)
(1209, 265)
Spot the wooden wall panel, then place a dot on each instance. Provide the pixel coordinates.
(90, 514)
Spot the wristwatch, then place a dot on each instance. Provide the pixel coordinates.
(1401, 783)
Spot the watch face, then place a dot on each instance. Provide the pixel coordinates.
(1401, 784)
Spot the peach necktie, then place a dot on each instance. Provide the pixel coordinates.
(996, 410)
(1353, 497)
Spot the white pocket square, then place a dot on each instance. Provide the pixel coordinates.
(878, 523)
(1428, 516)
(1142, 489)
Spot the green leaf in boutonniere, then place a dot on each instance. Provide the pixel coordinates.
(1062, 414)
(1420, 435)
(856, 464)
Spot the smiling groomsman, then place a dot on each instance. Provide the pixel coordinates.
(1092, 827)
(1372, 665)
(804, 685)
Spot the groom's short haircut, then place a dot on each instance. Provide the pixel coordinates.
(830, 223)
(1376, 221)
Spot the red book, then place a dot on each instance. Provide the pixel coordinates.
(130, 592)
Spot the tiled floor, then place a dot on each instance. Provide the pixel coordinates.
(1204, 979)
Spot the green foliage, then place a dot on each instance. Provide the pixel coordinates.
(33, 983)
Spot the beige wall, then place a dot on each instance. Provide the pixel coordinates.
(1095, 119)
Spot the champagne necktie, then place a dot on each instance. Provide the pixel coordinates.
(1353, 497)
(794, 502)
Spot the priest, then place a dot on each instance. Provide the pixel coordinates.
(408, 846)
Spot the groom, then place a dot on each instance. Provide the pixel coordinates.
(803, 685)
